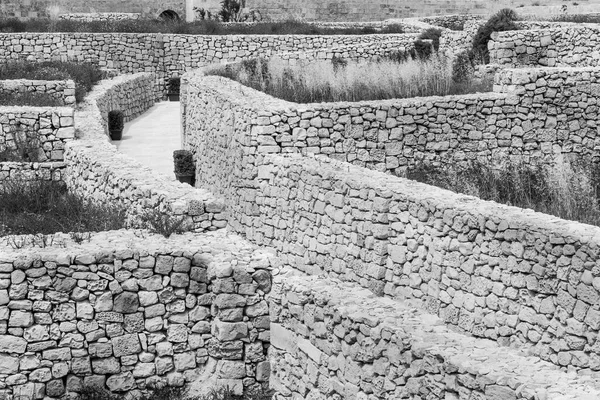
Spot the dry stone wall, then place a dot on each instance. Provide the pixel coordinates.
(168, 55)
(96, 170)
(52, 126)
(532, 116)
(573, 46)
(64, 91)
(127, 312)
(497, 272)
(88, 17)
(494, 271)
(21, 171)
(328, 345)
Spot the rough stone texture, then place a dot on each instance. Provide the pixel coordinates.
(81, 336)
(63, 91)
(574, 46)
(230, 127)
(328, 345)
(107, 16)
(47, 8)
(495, 271)
(52, 126)
(167, 55)
(32, 171)
(95, 169)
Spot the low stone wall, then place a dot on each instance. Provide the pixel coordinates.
(453, 22)
(52, 126)
(493, 271)
(20, 171)
(573, 46)
(168, 55)
(131, 310)
(369, 51)
(132, 94)
(64, 91)
(326, 344)
(391, 135)
(89, 17)
(96, 170)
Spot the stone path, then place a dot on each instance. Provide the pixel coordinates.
(152, 137)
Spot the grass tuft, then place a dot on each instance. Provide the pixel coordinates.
(567, 190)
(45, 207)
(340, 80)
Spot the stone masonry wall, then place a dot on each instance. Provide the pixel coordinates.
(96, 170)
(328, 345)
(529, 118)
(494, 271)
(573, 46)
(63, 91)
(131, 310)
(113, 16)
(508, 278)
(52, 126)
(168, 55)
(21, 171)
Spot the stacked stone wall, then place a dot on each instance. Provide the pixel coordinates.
(168, 55)
(21, 171)
(63, 91)
(494, 271)
(532, 116)
(131, 310)
(505, 278)
(572, 46)
(88, 17)
(96, 170)
(52, 126)
(326, 344)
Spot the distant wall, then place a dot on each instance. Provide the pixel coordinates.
(63, 91)
(44, 8)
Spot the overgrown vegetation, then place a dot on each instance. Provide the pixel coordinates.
(176, 393)
(202, 27)
(85, 75)
(423, 47)
(341, 80)
(503, 20)
(32, 99)
(567, 190)
(45, 207)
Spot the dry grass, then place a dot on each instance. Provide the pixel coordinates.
(340, 80)
(567, 190)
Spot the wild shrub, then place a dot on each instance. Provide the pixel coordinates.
(47, 207)
(503, 20)
(162, 223)
(462, 67)
(230, 10)
(423, 48)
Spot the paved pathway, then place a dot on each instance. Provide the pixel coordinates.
(152, 137)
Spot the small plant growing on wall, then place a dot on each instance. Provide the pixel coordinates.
(185, 169)
(115, 124)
